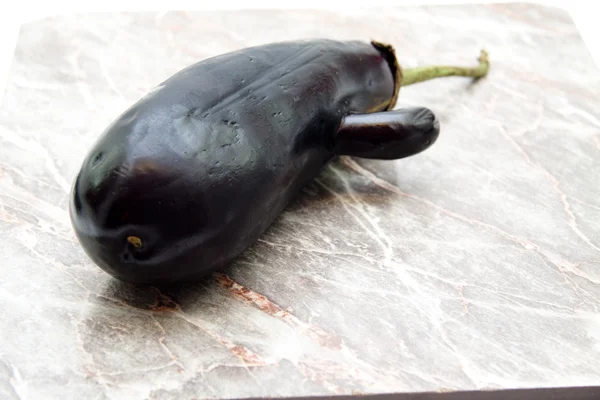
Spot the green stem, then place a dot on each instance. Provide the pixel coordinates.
(420, 74)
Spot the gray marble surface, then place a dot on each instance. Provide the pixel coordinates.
(473, 265)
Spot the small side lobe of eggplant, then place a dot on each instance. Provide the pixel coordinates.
(387, 135)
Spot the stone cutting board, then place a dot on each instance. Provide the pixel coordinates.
(473, 265)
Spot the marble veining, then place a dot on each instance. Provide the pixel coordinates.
(473, 265)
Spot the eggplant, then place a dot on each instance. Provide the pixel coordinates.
(193, 173)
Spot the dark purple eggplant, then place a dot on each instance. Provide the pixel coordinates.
(193, 173)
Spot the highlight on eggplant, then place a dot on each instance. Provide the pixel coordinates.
(192, 174)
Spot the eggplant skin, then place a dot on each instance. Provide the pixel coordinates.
(193, 173)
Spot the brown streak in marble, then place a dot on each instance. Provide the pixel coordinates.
(317, 378)
(163, 303)
(245, 354)
(324, 339)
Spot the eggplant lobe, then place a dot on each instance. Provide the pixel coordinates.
(193, 173)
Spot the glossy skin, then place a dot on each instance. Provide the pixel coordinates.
(388, 135)
(192, 174)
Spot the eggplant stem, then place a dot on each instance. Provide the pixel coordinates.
(421, 74)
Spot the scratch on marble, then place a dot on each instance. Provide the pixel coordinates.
(29, 84)
(572, 222)
(161, 341)
(585, 203)
(158, 18)
(464, 302)
(287, 217)
(57, 214)
(513, 298)
(90, 367)
(321, 251)
(17, 383)
(568, 279)
(37, 148)
(267, 306)
(247, 356)
(9, 218)
(521, 308)
(362, 289)
(111, 83)
(592, 119)
(394, 189)
(374, 232)
(118, 328)
(7, 167)
(137, 371)
(537, 122)
(63, 268)
(79, 74)
(534, 126)
(574, 269)
(503, 88)
(500, 349)
(377, 233)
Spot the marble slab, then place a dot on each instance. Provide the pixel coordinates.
(473, 265)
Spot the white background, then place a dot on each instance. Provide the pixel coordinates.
(15, 13)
